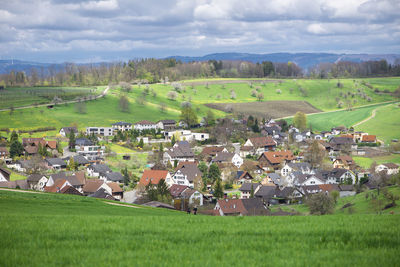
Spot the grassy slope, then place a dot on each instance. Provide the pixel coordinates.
(45, 229)
(321, 94)
(366, 162)
(385, 124)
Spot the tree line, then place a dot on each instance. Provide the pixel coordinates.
(165, 70)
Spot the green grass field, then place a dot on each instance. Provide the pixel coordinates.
(366, 162)
(385, 124)
(54, 229)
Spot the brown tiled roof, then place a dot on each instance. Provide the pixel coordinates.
(56, 187)
(391, 165)
(92, 185)
(153, 176)
(246, 148)
(31, 149)
(176, 190)
(346, 159)
(368, 138)
(144, 122)
(70, 190)
(3, 150)
(185, 163)
(263, 141)
(80, 176)
(329, 187)
(212, 150)
(276, 157)
(52, 144)
(232, 206)
(115, 188)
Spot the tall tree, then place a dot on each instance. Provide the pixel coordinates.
(16, 149)
(71, 142)
(14, 137)
(189, 116)
(300, 121)
(214, 173)
(210, 119)
(218, 190)
(315, 154)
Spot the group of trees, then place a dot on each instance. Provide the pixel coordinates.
(164, 70)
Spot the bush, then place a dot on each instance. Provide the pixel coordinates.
(320, 204)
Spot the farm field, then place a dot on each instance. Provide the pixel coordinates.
(325, 121)
(366, 162)
(385, 124)
(267, 109)
(24, 96)
(95, 233)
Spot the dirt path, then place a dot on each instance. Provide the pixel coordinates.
(64, 102)
(21, 191)
(122, 205)
(367, 119)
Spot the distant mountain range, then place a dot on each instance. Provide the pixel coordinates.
(304, 60)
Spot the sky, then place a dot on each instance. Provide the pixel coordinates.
(113, 30)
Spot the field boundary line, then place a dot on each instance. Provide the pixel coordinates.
(121, 205)
(21, 191)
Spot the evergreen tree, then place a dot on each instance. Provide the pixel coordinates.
(173, 141)
(255, 127)
(162, 188)
(250, 121)
(16, 149)
(71, 143)
(252, 191)
(214, 173)
(141, 143)
(218, 190)
(71, 165)
(14, 137)
(126, 176)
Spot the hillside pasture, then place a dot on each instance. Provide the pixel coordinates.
(55, 229)
(267, 109)
(24, 96)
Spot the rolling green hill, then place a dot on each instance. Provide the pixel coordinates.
(54, 229)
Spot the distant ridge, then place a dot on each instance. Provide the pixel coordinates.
(304, 60)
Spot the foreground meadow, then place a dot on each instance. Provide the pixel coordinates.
(51, 229)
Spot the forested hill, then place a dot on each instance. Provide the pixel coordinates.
(303, 60)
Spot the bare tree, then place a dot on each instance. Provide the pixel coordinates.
(124, 103)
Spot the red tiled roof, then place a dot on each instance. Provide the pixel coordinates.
(56, 187)
(145, 122)
(368, 138)
(115, 188)
(232, 206)
(276, 157)
(262, 141)
(153, 176)
(212, 150)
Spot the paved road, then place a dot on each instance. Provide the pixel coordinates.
(65, 102)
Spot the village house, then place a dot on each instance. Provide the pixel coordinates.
(145, 125)
(55, 163)
(37, 181)
(343, 144)
(4, 153)
(211, 151)
(122, 126)
(258, 145)
(91, 186)
(338, 176)
(76, 180)
(112, 177)
(18, 184)
(57, 186)
(186, 135)
(303, 167)
(29, 165)
(97, 170)
(246, 188)
(31, 145)
(114, 190)
(274, 159)
(88, 150)
(154, 177)
(102, 193)
(66, 131)
(243, 177)
(166, 124)
(102, 131)
(193, 196)
(181, 151)
(4, 175)
(271, 195)
(188, 174)
(388, 168)
(240, 207)
(228, 157)
(371, 139)
(79, 160)
(344, 162)
(339, 130)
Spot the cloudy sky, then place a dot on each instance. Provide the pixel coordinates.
(84, 31)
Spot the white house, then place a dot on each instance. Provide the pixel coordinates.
(88, 150)
(97, 170)
(181, 151)
(389, 168)
(122, 126)
(103, 131)
(4, 175)
(37, 181)
(227, 157)
(194, 196)
(303, 167)
(187, 174)
(144, 125)
(186, 135)
(166, 124)
(66, 131)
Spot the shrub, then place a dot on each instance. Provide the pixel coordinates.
(278, 91)
(171, 95)
(320, 203)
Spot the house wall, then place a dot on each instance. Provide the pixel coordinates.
(196, 198)
(142, 127)
(104, 131)
(237, 160)
(312, 181)
(3, 178)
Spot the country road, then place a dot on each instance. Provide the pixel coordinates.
(367, 119)
(65, 102)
